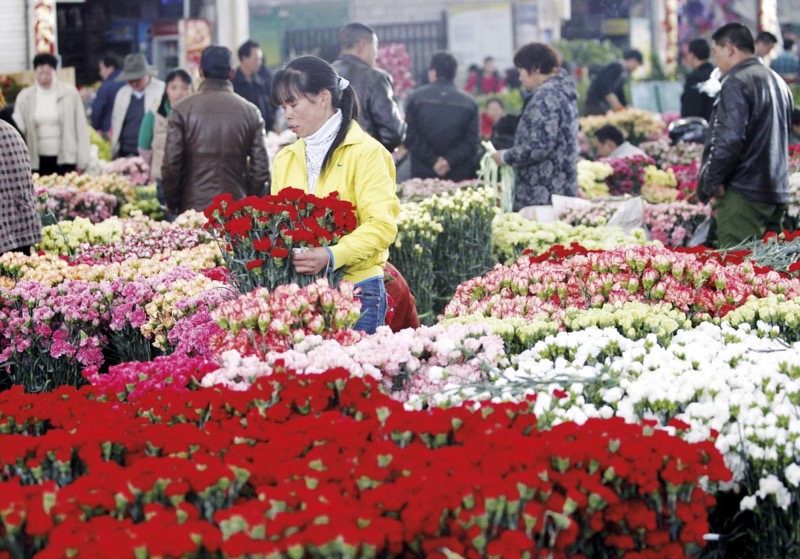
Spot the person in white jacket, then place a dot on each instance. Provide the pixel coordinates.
(131, 103)
(51, 118)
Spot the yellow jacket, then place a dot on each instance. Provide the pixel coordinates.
(363, 173)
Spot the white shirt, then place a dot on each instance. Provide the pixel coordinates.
(48, 124)
(626, 149)
(317, 145)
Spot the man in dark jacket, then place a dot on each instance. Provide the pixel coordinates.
(378, 113)
(103, 104)
(745, 157)
(443, 126)
(250, 81)
(693, 101)
(215, 141)
(607, 91)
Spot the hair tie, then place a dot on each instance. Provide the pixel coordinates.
(342, 84)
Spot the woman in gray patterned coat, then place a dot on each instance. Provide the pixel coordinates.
(20, 224)
(545, 151)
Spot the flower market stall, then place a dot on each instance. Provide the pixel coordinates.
(171, 389)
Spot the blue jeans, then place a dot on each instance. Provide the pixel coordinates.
(373, 305)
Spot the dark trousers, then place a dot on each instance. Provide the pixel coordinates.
(48, 165)
(739, 219)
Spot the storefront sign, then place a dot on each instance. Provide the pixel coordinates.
(44, 26)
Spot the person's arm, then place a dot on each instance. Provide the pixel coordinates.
(100, 106)
(377, 207)
(81, 131)
(259, 161)
(728, 130)
(540, 131)
(172, 169)
(18, 115)
(467, 147)
(390, 129)
(146, 131)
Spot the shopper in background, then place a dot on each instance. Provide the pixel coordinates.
(131, 103)
(250, 81)
(607, 91)
(51, 117)
(103, 104)
(485, 81)
(695, 102)
(379, 115)
(153, 133)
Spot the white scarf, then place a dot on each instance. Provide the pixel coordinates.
(317, 145)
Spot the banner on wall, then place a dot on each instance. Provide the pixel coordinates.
(43, 21)
(469, 39)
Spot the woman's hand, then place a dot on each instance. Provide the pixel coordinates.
(498, 158)
(311, 261)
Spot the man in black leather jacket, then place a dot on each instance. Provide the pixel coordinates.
(378, 113)
(746, 153)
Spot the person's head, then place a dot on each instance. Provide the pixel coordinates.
(44, 69)
(359, 40)
(495, 108)
(788, 45)
(765, 42)
(310, 91)
(251, 57)
(179, 86)
(443, 67)
(136, 71)
(488, 65)
(731, 44)
(216, 63)
(796, 121)
(536, 62)
(698, 52)
(608, 138)
(107, 65)
(632, 59)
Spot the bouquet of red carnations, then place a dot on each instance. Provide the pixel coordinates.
(259, 234)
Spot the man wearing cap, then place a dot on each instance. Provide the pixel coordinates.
(131, 103)
(216, 142)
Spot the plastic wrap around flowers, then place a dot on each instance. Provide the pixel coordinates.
(258, 235)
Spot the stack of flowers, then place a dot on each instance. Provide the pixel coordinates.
(66, 236)
(667, 155)
(145, 201)
(262, 321)
(135, 169)
(638, 125)
(408, 363)
(329, 466)
(394, 58)
(628, 174)
(258, 234)
(116, 185)
(704, 288)
(794, 158)
(512, 235)
(415, 190)
(592, 177)
(60, 204)
(686, 175)
(674, 223)
(596, 215)
(659, 186)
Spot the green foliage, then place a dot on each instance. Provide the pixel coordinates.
(587, 52)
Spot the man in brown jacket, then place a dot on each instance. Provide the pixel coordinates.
(216, 141)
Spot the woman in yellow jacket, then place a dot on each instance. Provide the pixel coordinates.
(334, 154)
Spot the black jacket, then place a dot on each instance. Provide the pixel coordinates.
(693, 101)
(610, 79)
(747, 141)
(443, 122)
(258, 91)
(378, 113)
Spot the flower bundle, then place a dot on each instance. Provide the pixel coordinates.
(259, 234)
(628, 174)
(416, 190)
(412, 252)
(674, 223)
(512, 235)
(261, 321)
(592, 177)
(667, 155)
(145, 201)
(113, 184)
(134, 169)
(394, 58)
(66, 236)
(407, 363)
(659, 186)
(596, 215)
(703, 288)
(638, 125)
(329, 466)
(794, 158)
(50, 333)
(60, 204)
